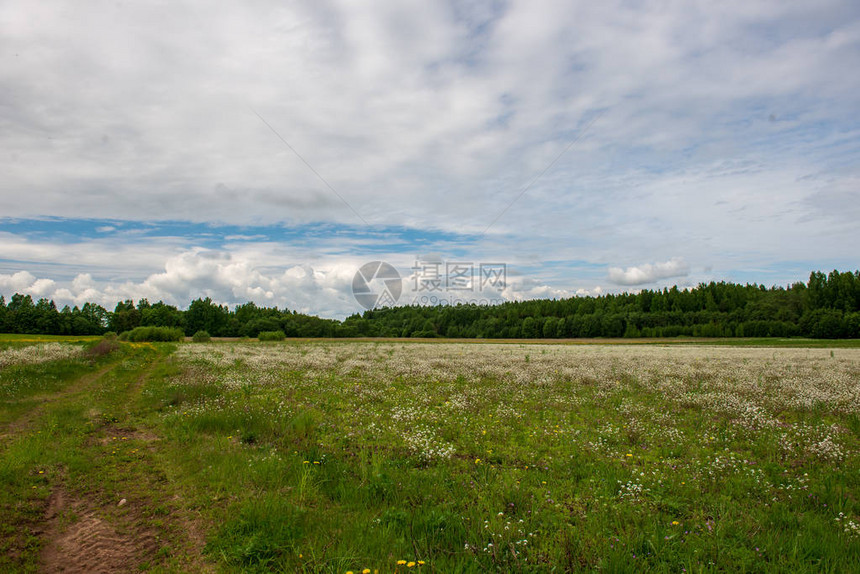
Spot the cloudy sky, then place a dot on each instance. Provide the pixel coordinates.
(266, 150)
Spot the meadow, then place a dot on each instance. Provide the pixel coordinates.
(398, 456)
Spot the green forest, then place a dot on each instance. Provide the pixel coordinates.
(826, 307)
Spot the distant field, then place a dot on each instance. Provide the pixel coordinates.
(7, 339)
(728, 341)
(434, 456)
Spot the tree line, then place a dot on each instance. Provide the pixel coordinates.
(22, 315)
(827, 306)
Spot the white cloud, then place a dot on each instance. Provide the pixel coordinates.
(393, 102)
(21, 281)
(729, 134)
(41, 287)
(596, 292)
(324, 288)
(649, 273)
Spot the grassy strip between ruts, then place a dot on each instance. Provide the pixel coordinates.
(81, 444)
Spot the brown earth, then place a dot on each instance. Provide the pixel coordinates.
(81, 537)
(84, 529)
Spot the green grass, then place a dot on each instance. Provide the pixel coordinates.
(13, 337)
(153, 334)
(338, 456)
(69, 429)
(792, 342)
(306, 478)
(10, 341)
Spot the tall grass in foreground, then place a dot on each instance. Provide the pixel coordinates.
(329, 457)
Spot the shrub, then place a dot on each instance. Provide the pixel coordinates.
(104, 347)
(271, 336)
(140, 334)
(201, 337)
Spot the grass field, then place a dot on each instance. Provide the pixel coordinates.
(395, 456)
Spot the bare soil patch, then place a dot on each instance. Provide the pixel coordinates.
(81, 537)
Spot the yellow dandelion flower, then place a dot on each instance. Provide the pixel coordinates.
(401, 562)
(410, 565)
(477, 461)
(421, 563)
(365, 571)
(675, 523)
(629, 454)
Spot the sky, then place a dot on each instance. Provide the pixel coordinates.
(266, 151)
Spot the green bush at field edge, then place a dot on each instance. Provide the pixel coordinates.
(201, 337)
(271, 336)
(153, 334)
